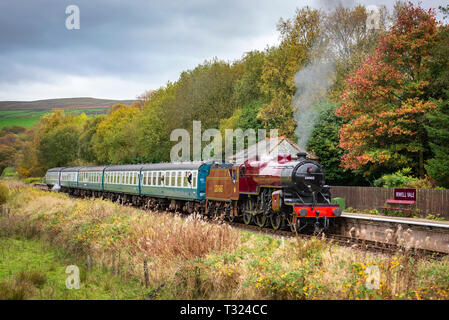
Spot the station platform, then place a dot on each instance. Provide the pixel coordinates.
(400, 220)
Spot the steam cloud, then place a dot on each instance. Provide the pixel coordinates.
(312, 85)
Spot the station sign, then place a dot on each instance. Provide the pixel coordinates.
(405, 194)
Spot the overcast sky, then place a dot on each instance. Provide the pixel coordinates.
(126, 47)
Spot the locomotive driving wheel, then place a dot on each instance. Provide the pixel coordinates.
(294, 223)
(276, 221)
(261, 220)
(229, 211)
(247, 212)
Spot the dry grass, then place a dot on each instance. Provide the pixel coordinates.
(117, 237)
(189, 258)
(22, 286)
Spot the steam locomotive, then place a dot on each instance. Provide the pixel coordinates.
(281, 192)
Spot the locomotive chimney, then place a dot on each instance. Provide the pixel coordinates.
(301, 155)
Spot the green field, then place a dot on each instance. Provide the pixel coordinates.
(28, 118)
(33, 269)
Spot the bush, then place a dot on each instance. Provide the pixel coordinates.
(4, 192)
(33, 180)
(9, 172)
(402, 179)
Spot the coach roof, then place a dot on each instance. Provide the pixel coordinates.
(91, 168)
(56, 169)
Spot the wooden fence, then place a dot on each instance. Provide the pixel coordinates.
(428, 201)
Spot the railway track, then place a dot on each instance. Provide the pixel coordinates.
(347, 241)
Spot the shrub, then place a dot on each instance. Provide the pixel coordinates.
(4, 192)
(9, 172)
(404, 179)
(33, 180)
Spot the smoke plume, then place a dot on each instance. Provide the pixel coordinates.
(312, 85)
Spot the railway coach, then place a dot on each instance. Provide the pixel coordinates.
(179, 186)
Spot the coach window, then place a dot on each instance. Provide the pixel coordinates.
(173, 179)
(194, 179)
(185, 183)
(178, 179)
(150, 178)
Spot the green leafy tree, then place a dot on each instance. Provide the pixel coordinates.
(438, 64)
(116, 136)
(280, 66)
(324, 144)
(86, 150)
(59, 147)
(247, 88)
(438, 132)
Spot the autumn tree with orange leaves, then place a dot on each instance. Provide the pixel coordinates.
(384, 103)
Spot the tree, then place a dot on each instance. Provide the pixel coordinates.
(248, 87)
(154, 126)
(384, 103)
(86, 150)
(280, 66)
(115, 139)
(438, 64)
(59, 147)
(438, 132)
(324, 144)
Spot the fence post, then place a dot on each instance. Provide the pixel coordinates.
(145, 273)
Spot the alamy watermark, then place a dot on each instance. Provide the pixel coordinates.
(72, 22)
(372, 277)
(190, 146)
(373, 18)
(73, 280)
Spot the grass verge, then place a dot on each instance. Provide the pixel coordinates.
(188, 258)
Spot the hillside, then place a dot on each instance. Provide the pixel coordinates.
(64, 103)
